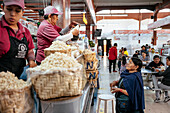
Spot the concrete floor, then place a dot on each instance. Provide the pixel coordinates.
(106, 78)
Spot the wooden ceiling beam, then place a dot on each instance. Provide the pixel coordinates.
(132, 16)
(31, 14)
(33, 4)
(149, 7)
(34, 8)
(31, 11)
(77, 2)
(165, 4)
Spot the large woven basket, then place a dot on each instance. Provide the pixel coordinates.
(57, 84)
(91, 65)
(92, 74)
(90, 57)
(92, 77)
(13, 101)
(48, 52)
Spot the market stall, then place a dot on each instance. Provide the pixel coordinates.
(66, 78)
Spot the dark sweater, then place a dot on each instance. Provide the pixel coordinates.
(166, 76)
(153, 64)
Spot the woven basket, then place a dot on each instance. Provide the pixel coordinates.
(92, 74)
(13, 101)
(93, 79)
(55, 85)
(48, 52)
(91, 65)
(90, 57)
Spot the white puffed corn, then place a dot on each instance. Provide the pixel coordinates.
(58, 45)
(8, 81)
(58, 60)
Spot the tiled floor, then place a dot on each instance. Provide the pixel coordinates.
(105, 78)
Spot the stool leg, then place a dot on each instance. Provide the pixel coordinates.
(105, 109)
(112, 106)
(98, 106)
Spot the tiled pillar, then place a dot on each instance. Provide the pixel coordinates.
(64, 7)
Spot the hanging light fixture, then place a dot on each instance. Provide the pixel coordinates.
(84, 18)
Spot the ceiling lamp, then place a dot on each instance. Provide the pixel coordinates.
(84, 18)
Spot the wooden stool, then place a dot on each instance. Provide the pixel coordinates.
(105, 97)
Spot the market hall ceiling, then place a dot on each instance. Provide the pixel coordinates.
(81, 5)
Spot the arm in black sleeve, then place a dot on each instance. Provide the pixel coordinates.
(149, 66)
(166, 72)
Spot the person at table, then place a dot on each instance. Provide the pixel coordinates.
(16, 44)
(129, 92)
(156, 63)
(48, 32)
(165, 83)
(144, 50)
(144, 58)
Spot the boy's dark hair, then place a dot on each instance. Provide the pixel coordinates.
(168, 57)
(115, 44)
(125, 49)
(123, 60)
(137, 62)
(156, 56)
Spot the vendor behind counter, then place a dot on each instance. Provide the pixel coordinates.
(16, 45)
(48, 32)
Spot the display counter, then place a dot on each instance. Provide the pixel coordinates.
(76, 104)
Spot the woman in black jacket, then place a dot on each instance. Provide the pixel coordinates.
(165, 83)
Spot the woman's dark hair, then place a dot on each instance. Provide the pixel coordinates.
(135, 56)
(125, 49)
(168, 57)
(45, 17)
(137, 62)
(123, 60)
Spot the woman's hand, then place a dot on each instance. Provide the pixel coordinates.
(114, 90)
(32, 64)
(75, 32)
(113, 84)
(73, 24)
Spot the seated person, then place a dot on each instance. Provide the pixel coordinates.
(144, 50)
(156, 63)
(144, 58)
(165, 83)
